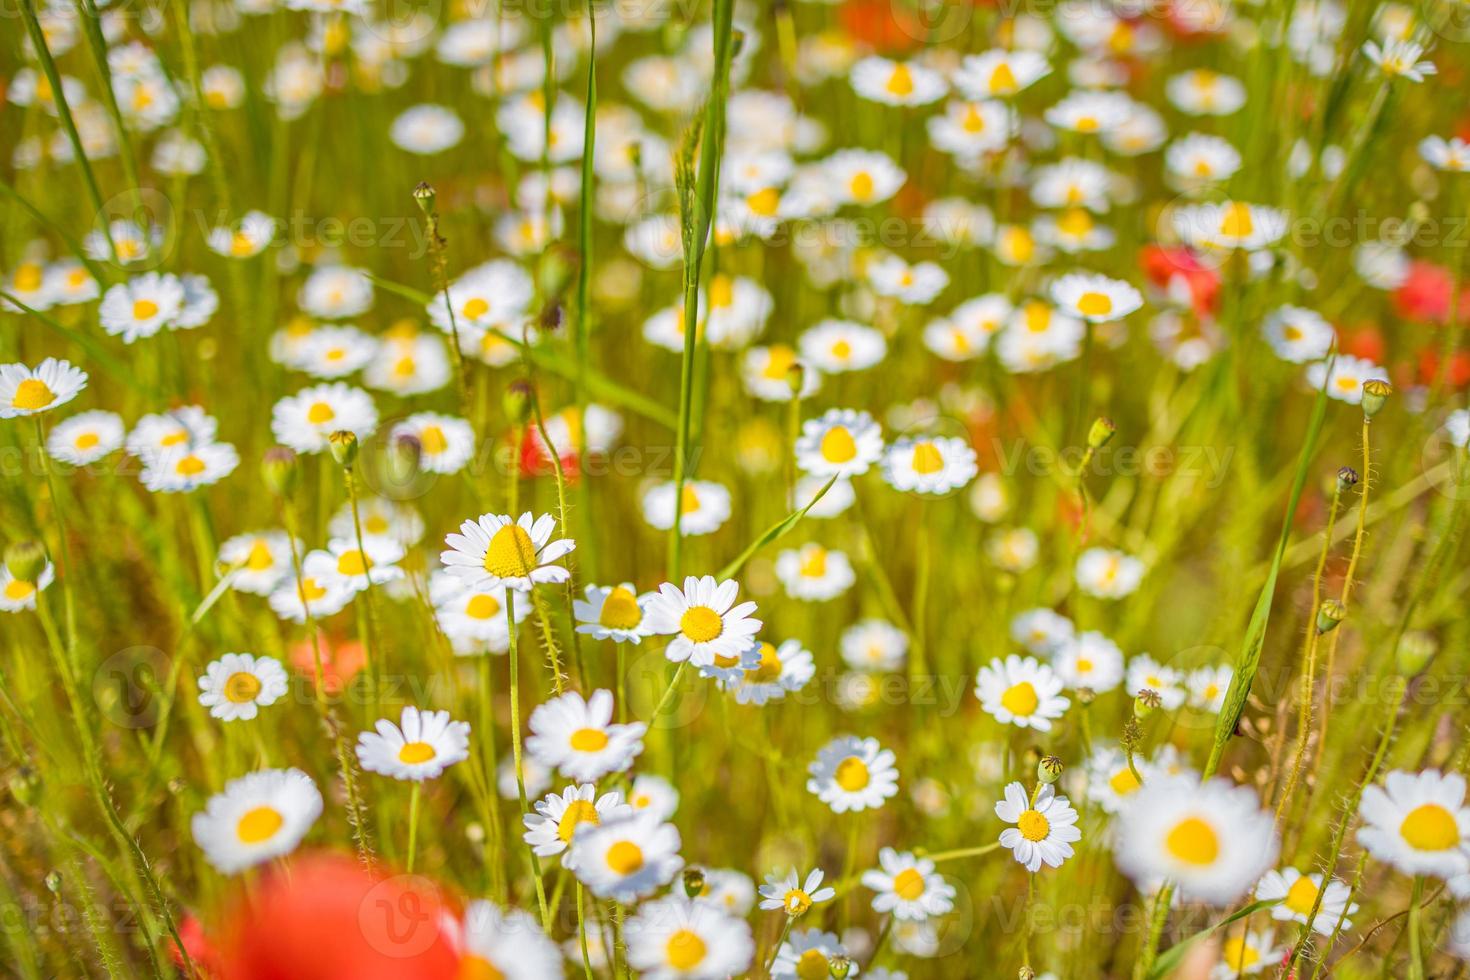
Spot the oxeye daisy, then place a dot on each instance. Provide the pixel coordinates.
(617, 613)
(303, 421)
(1296, 893)
(931, 465)
(999, 73)
(142, 306)
(676, 937)
(966, 332)
(777, 671)
(1230, 225)
(1146, 673)
(1089, 660)
(851, 774)
(1013, 549)
(1108, 574)
(86, 437)
(257, 817)
(915, 285)
(628, 858)
(376, 562)
(908, 886)
(1021, 691)
(768, 372)
(863, 177)
(807, 954)
(705, 507)
(187, 468)
(814, 573)
(1246, 952)
(1418, 823)
(1451, 154)
(874, 645)
(1344, 381)
(1212, 839)
(445, 442)
(1202, 92)
(577, 736)
(31, 391)
(904, 83)
(249, 238)
(703, 620)
(426, 129)
(473, 617)
(18, 594)
(1197, 159)
(336, 292)
(156, 434)
(295, 599)
(841, 442)
(793, 896)
(260, 560)
(970, 129)
(506, 943)
(496, 550)
(1095, 298)
(550, 829)
(1042, 631)
(1090, 112)
(1111, 780)
(1207, 687)
(1045, 826)
(237, 685)
(333, 352)
(379, 518)
(654, 794)
(836, 346)
(1298, 335)
(420, 747)
(1399, 59)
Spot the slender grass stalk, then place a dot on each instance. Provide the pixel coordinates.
(582, 932)
(515, 736)
(1416, 949)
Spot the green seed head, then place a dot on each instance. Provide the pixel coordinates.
(1329, 614)
(1375, 396)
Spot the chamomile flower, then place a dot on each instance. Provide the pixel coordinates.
(420, 747)
(999, 73)
(335, 292)
(1298, 335)
(259, 560)
(916, 285)
(1090, 112)
(257, 817)
(445, 442)
(703, 620)
(1108, 574)
(1417, 823)
(814, 573)
(294, 599)
(1399, 59)
(1246, 953)
(1344, 381)
(334, 352)
(375, 563)
(426, 129)
(728, 889)
(793, 896)
(874, 645)
(1111, 780)
(85, 438)
(706, 507)
(1095, 298)
(654, 794)
(908, 886)
(237, 685)
(518, 554)
(851, 774)
(550, 829)
(905, 83)
(836, 346)
(1202, 92)
(474, 617)
(1197, 159)
(509, 944)
(187, 468)
(862, 177)
(1147, 674)
(676, 937)
(18, 594)
(1045, 826)
(1208, 686)
(303, 421)
(968, 130)
(1021, 691)
(577, 736)
(628, 858)
(1042, 631)
(31, 391)
(930, 465)
(841, 442)
(1089, 660)
(966, 332)
(808, 953)
(778, 670)
(246, 240)
(1212, 840)
(617, 613)
(1451, 154)
(1296, 893)
(767, 373)
(1230, 225)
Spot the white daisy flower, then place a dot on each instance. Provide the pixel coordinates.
(905, 83)
(908, 886)
(841, 442)
(874, 645)
(813, 573)
(474, 618)
(237, 685)
(1198, 159)
(1399, 58)
(187, 468)
(1418, 823)
(654, 794)
(426, 129)
(257, 817)
(495, 550)
(296, 600)
(333, 352)
(1298, 335)
(249, 238)
(1344, 382)
(550, 829)
(1108, 574)
(376, 562)
(966, 332)
(728, 889)
(1090, 661)
(777, 671)
(30, 391)
(1046, 826)
(1208, 686)
(807, 954)
(1090, 112)
(1146, 673)
(335, 292)
(1451, 154)
(260, 560)
(969, 130)
(703, 620)
(420, 747)
(1021, 691)
(851, 774)
(1111, 781)
(446, 443)
(705, 509)
(837, 346)
(676, 937)
(1246, 953)
(626, 859)
(1203, 92)
(1042, 631)
(1095, 298)
(915, 285)
(1297, 893)
(793, 896)
(617, 613)
(507, 944)
(303, 421)
(18, 594)
(1229, 225)
(1013, 549)
(862, 177)
(577, 736)
(85, 438)
(767, 373)
(999, 73)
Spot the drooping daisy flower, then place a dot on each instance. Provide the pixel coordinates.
(874, 645)
(908, 886)
(85, 438)
(260, 560)
(577, 736)
(1212, 839)
(1418, 823)
(1046, 826)
(303, 421)
(930, 465)
(1021, 691)
(235, 686)
(422, 746)
(617, 613)
(495, 550)
(705, 507)
(507, 944)
(841, 442)
(703, 620)
(1095, 298)
(257, 817)
(18, 594)
(1108, 574)
(852, 774)
(814, 573)
(1297, 893)
(793, 896)
(30, 391)
(626, 859)
(676, 937)
(1346, 379)
(777, 671)
(550, 829)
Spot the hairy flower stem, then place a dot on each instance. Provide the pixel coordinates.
(370, 634)
(1347, 584)
(515, 736)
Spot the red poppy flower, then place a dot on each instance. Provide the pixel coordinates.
(889, 27)
(1177, 269)
(341, 660)
(1424, 295)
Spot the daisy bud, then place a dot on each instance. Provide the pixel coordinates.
(795, 378)
(1329, 614)
(1101, 432)
(517, 400)
(53, 882)
(693, 882)
(344, 447)
(1147, 702)
(1415, 651)
(839, 967)
(1049, 769)
(1347, 477)
(424, 194)
(279, 470)
(1085, 695)
(26, 560)
(1375, 396)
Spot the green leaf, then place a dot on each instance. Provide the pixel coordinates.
(774, 533)
(1170, 959)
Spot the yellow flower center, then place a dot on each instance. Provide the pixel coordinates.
(1094, 304)
(1020, 699)
(764, 202)
(838, 445)
(685, 950)
(901, 82)
(974, 122)
(701, 624)
(482, 606)
(1019, 244)
(1194, 842)
(241, 687)
(813, 562)
(86, 440)
(511, 554)
(589, 740)
(144, 309)
(688, 500)
(796, 902)
(259, 824)
(32, 394)
(721, 292)
(1086, 124)
(1033, 825)
(190, 465)
(577, 812)
(769, 668)
(353, 562)
(812, 966)
(1238, 954)
(431, 438)
(312, 589)
(842, 350)
(852, 774)
(779, 360)
(1002, 80)
(1301, 896)
(908, 884)
(415, 753)
(476, 308)
(1236, 221)
(1075, 222)
(175, 438)
(861, 186)
(1123, 782)
(620, 610)
(1430, 827)
(28, 278)
(240, 244)
(17, 589)
(625, 857)
(472, 967)
(320, 413)
(926, 459)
